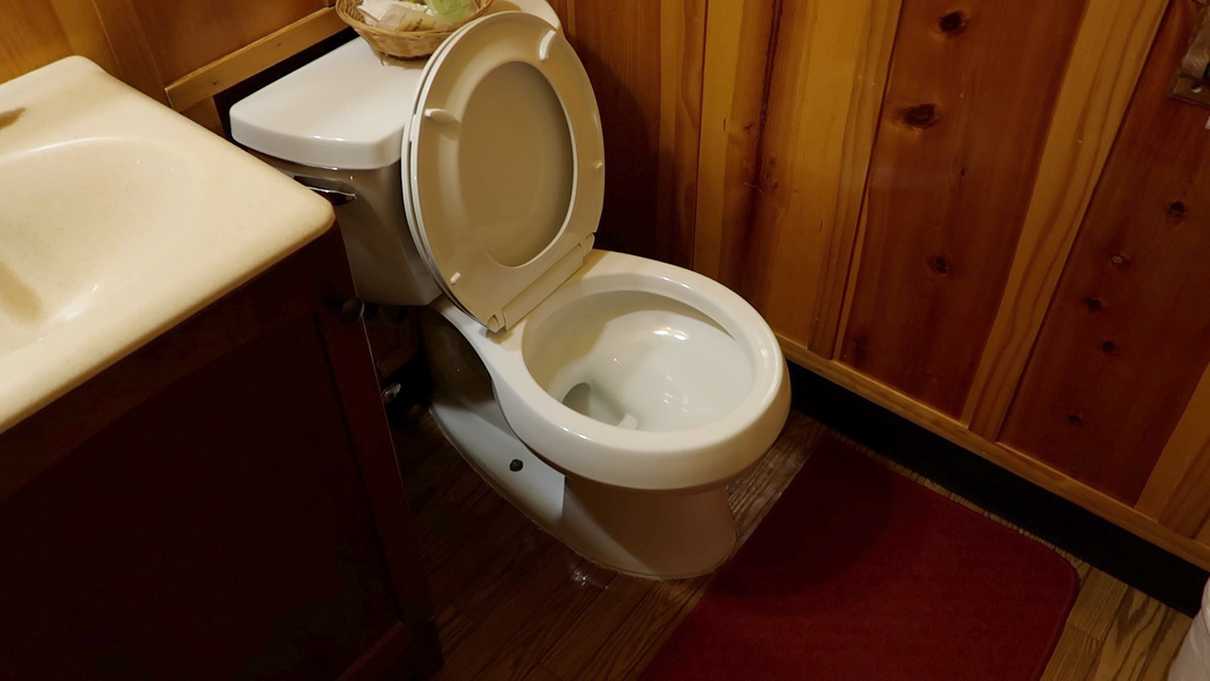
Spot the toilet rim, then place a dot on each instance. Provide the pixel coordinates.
(684, 459)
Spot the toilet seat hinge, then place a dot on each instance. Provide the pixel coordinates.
(540, 290)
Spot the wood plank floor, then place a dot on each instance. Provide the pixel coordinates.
(512, 603)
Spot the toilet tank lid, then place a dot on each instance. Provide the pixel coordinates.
(345, 110)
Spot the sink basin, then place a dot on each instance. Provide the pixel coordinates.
(118, 219)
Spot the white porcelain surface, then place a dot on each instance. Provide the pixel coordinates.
(663, 536)
(347, 109)
(506, 165)
(118, 219)
(694, 373)
(638, 360)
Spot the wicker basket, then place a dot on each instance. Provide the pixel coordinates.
(402, 44)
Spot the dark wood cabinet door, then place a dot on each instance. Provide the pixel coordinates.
(245, 521)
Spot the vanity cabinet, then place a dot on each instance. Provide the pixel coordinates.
(224, 503)
(989, 217)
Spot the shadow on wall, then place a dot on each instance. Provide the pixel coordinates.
(630, 220)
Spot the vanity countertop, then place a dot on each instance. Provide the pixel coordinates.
(119, 218)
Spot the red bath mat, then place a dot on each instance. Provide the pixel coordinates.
(860, 573)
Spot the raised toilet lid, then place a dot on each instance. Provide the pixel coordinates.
(506, 172)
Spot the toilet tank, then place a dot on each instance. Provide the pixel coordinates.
(336, 125)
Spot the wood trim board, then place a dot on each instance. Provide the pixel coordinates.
(191, 89)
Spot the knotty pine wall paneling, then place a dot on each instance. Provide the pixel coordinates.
(971, 96)
(1110, 51)
(911, 253)
(1128, 333)
(35, 33)
(827, 76)
(738, 43)
(645, 62)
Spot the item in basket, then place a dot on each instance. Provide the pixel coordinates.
(399, 15)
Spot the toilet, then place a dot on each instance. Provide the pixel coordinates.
(608, 397)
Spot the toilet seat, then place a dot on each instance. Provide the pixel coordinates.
(682, 459)
(502, 206)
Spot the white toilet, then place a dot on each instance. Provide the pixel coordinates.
(609, 397)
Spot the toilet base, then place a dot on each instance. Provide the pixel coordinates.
(645, 534)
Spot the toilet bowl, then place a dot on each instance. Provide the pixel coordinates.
(609, 397)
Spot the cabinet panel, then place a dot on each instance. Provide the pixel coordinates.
(1128, 332)
(971, 94)
(185, 526)
(224, 503)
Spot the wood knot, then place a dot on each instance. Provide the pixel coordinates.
(1119, 260)
(1109, 347)
(953, 23)
(920, 116)
(1177, 210)
(1075, 419)
(1094, 304)
(940, 265)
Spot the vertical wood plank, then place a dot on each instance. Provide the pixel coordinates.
(619, 43)
(1128, 333)
(30, 36)
(34, 34)
(825, 93)
(1108, 57)
(132, 51)
(971, 93)
(738, 48)
(682, 45)
(85, 33)
(1175, 493)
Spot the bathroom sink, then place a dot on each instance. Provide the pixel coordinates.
(118, 219)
